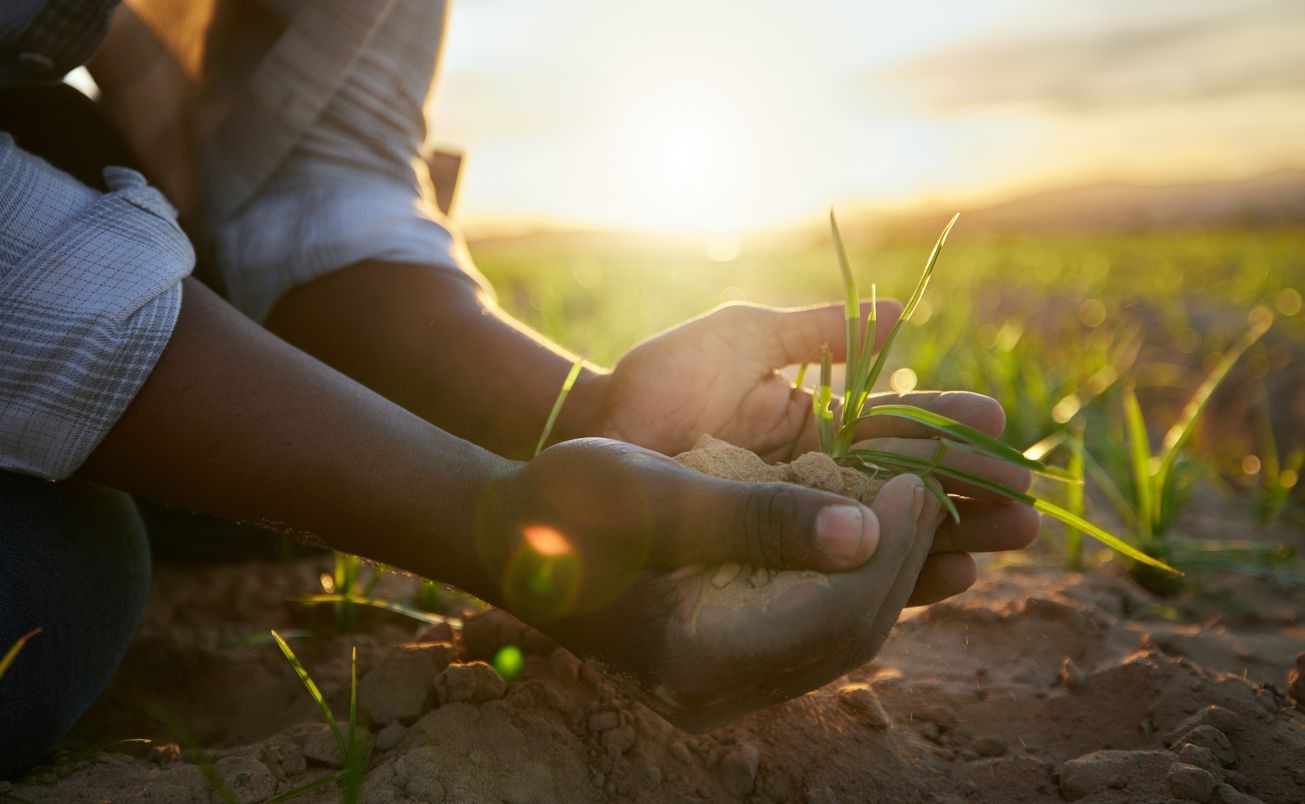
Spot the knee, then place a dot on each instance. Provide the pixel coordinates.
(74, 561)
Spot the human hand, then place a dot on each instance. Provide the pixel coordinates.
(718, 374)
(610, 549)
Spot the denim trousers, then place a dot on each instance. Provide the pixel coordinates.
(74, 562)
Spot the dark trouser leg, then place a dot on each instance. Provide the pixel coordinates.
(74, 561)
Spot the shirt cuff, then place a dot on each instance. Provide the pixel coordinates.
(86, 308)
(301, 229)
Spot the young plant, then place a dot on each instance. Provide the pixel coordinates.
(837, 429)
(355, 754)
(346, 581)
(1277, 477)
(1159, 485)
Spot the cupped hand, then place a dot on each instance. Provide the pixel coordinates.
(719, 375)
(612, 549)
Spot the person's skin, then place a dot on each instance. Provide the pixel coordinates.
(235, 422)
(431, 341)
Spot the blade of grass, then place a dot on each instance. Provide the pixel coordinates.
(355, 762)
(313, 691)
(851, 312)
(15, 649)
(567, 384)
(820, 402)
(1106, 538)
(911, 303)
(1139, 458)
(1074, 501)
(961, 432)
(305, 789)
(1182, 429)
(379, 603)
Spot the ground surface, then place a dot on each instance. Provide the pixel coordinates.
(1037, 685)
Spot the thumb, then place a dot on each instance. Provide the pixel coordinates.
(775, 525)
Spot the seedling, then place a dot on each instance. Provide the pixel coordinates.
(354, 752)
(837, 428)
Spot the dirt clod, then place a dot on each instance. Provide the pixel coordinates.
(248, 778)
(400, 687)
(1191, 783)
(738, 769)
(1296, 681)
(861, 702)
(473, 682)
(1135, 771)
(1213, 739)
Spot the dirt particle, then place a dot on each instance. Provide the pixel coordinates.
(1209, 737)
(248, 778)
(319, 745)
(1197, 755)
(474, 682)
(618, 741)
(399, 688)
(990, 747)
(1101, 770)
(390, 736)
(681, 753)
(1071, 677)
(563, 664)
(725, 574)
(738, 769)
(1190, 782)
(604, 721)
(863, 704)
(1227, 794)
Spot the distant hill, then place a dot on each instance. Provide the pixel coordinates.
(1272, 200)
(1275, 199)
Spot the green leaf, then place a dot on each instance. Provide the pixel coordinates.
(305, 789)
(1106, 538)
(1139, 456)
(567, 384)
(1182, 429)
(961, 432)
(911, 304)
(820, 402)
(851, 311)
(313, 692)
(14, 650)
(379, 603)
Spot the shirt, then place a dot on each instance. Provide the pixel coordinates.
(291, 135)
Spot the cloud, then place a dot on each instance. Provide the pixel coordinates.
(1127, 60)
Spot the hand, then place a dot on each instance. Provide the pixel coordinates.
(718, 374)
(611, 550)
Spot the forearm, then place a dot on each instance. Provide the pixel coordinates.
(234, 422)
(428, 340)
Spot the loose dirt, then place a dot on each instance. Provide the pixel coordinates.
(1037, 685)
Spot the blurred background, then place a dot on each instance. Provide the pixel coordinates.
(1131, 178)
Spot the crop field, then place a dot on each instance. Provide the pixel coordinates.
(1069, 672)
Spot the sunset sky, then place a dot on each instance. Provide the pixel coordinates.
(707, 115)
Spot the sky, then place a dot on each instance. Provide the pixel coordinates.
(715, 116)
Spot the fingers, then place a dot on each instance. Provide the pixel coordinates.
(780, 337)
(981, 412)
(943, 575)
(773, 525)
(987, 528)
(1013, 477)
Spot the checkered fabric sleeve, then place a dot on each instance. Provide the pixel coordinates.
(89, 295)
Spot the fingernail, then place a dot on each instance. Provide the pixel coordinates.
(919, 500)
(844, 531)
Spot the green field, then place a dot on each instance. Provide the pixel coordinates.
(1056, 327)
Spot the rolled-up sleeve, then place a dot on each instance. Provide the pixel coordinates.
(89, 295)
(353, 187)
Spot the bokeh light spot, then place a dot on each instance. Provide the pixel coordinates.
(1251, 464)
(1092, 313)
(903, 380)
(508, 661)
(1288, 301)
(547, 541)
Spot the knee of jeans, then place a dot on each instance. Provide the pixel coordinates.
(74, 562)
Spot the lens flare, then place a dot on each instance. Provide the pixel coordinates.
(544, 574)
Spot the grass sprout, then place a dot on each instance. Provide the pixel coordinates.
(567, 385)
(837, 429)
(355, 754)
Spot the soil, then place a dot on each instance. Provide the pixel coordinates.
(1037, 685)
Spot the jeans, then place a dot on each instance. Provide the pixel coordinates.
(75, 562)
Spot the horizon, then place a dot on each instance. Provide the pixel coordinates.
(700, 120)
